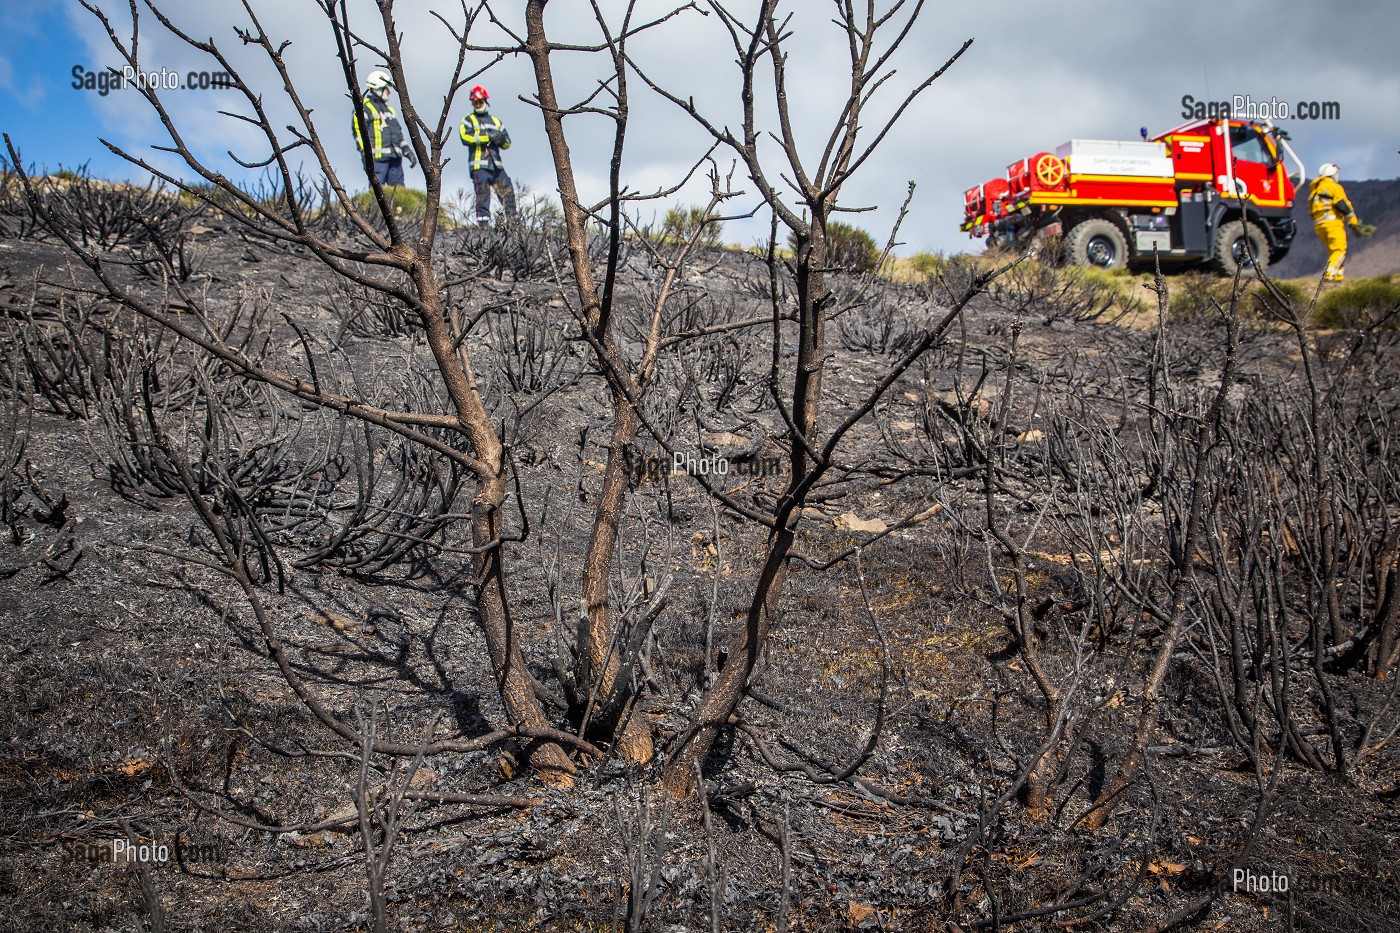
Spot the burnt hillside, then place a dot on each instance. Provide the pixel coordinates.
(240, 629)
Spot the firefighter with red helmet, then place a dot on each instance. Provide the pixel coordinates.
(485, 136)
(388, 145)
(1332, 213)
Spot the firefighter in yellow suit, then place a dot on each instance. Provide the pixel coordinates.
(1332, 213)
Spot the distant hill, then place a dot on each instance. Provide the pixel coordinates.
(1377, 202)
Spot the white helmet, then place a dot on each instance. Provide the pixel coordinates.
(378, 80)
(1328, 170)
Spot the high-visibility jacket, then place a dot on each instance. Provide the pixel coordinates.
(486, 136)
(384, 124)
(1327, 200)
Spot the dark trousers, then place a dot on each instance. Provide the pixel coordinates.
(389, 171)
(483, 180)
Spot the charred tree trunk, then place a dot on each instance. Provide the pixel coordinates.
(599, 670)
(724, 695)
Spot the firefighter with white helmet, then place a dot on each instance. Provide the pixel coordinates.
(1332, 213)
(485, 136)
(389, 147)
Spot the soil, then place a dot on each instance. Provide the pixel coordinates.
(140, 707)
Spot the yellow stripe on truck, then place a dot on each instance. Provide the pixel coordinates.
(1060, 199)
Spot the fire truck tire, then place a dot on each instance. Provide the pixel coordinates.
(1233, 252)
(1097, 242)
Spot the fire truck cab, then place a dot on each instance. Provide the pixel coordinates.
(1215, 192)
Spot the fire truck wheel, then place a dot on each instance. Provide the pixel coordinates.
(1097, 242)
(1240, 246)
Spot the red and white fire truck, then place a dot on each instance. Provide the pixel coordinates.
(1213, 192)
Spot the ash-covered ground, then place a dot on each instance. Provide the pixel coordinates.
(140, 706)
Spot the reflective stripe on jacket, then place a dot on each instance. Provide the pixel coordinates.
(1327, 200)
(384, 123)
(477, 131)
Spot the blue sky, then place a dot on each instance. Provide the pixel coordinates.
(1036, 76)
(48, 121)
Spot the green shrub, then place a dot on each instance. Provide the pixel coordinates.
(407, 202)
(1118, 278)
(916, 268)
(681, 223)
(849, 249)
(1195, 295)
(925, 264)
(1361, 304)
(1262, 304)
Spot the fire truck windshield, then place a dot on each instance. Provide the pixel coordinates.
(1248, 146)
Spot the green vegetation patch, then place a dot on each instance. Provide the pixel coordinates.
(1356, 305)
(684, 222)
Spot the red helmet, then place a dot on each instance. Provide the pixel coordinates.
(479, 93)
